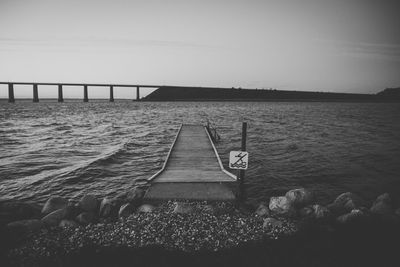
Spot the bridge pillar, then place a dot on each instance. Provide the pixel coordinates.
(35, 93)
(11, 98)
(60, 93)
(137, 93)
(85, 94)
(111, 93)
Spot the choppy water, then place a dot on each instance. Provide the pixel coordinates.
(74, 148)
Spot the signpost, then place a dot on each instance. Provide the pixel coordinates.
(239, 160)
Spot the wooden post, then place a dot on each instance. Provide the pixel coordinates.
(244, 136)
(241, 173)
(111, 93)
(35, 93)
(85, 93)
(11, 98)
(137, 93)
(60, 93)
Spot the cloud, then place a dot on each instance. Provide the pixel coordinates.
(382, 51)
(93, 43)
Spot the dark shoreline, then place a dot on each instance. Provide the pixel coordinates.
(178, 93)
(313, 245)
(289, 231)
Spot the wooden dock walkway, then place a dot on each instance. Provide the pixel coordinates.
(192, 170)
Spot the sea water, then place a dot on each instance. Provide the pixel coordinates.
(74, 148)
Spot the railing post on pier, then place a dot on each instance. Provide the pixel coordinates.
(11, 98)
(111, 93)
(241, 173)
(35, 93)
(85, 93)
(60, 93)
(137, 93)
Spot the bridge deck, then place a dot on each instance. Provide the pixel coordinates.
(192, 170)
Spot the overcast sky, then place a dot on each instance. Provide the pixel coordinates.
(323, 45)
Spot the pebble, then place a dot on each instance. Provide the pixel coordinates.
(190, 232)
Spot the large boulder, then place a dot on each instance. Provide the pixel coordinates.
(300, 197)
(89, 203)
(86, 218)
(270, 223)
(263, 210)
(320, 212)
(316, 211)
(281, 206)
(54, 218)
(121, 197)
(68, 224)
(354, 216)
(183, 208)
(72, 210)
(344, 203)
(307, 212)
(126, 210)
(19, 229)
(383, 206)
(135, 195)
(108, 207)
(146, 208)
(53, 204)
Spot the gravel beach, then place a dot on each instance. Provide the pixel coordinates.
(204, 228)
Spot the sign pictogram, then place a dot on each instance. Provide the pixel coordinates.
(238, 160)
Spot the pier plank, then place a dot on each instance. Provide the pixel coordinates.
(192, 170)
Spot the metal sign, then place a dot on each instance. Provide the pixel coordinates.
(238, 160)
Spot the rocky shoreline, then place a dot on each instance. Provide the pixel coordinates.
(63, 229)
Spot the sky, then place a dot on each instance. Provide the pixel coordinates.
(314, 45)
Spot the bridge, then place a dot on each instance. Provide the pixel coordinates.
(85, 86)
(192, 170)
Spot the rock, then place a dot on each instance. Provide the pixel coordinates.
(208, 209)
(72, 210)
(54, 218)
(68, 224)
(270, 223)
(108, 207)
(146, 208)
(344, 203)
(355, 215)
(281, 206)
(262, 210)
(300, 197)
(89, 203)
(183, 208)
(307, 212)
(320, 212)
(126, 210)
(19, 229)
(135, 196)
(86, 218)
(121, 197)
(53, 204)
(383, 206)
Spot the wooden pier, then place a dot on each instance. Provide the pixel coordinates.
(192, 170)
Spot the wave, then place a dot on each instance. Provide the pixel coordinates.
(81, 166)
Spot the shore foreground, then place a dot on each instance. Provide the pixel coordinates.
(290, 230)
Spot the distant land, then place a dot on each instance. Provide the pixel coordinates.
(175, 93)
